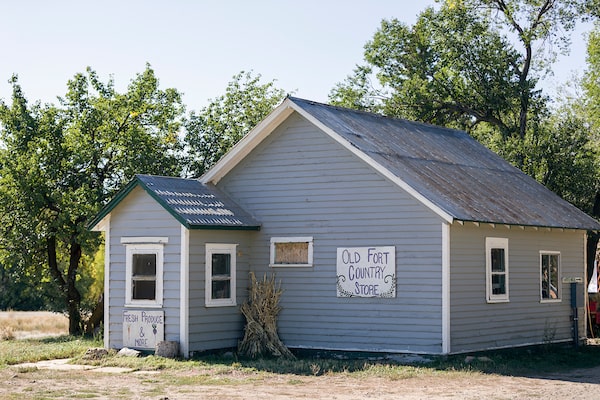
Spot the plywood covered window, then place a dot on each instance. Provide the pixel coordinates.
(549, 275)
(220, 275)
(291, 252)
(497, 288)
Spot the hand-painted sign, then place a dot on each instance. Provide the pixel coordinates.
(366, 271)
(143, 329)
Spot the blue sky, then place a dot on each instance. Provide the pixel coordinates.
(197, 46)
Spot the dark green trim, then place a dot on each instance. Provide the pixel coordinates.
(113, 203)
(167, 207)
(107, 209)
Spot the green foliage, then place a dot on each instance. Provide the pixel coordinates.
(59, 165)
(559, 153)
(217, 127)
(474, 65)
(456, 66)
(591, 81)
(90, 282)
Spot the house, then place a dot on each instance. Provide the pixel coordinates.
(387, 235)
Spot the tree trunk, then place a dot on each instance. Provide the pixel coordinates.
(67, 286)
(96, 319)
(592, 245)
(73, 295)
(592, 240)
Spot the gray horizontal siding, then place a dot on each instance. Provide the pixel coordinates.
(477, 325)
(216, 327)
(299, 182)
(140, 215)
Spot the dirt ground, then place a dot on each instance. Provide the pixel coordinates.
(25, 383)
(37, 383)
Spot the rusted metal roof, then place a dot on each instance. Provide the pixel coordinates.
(451, 169)
(194, 204)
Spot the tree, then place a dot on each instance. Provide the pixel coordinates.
(217, 127)
(59, 165)
(475, 65)
(591, 110)
(457, 67)
(591, 80)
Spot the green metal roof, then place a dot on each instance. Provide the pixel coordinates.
(194, 204)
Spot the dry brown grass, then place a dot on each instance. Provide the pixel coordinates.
(28, 324)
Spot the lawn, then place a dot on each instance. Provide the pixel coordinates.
(528, 372)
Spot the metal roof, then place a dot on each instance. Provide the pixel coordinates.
(194, 204)
(451, 169)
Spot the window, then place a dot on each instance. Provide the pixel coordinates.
(291, 252)
(496, 250)
(220, 275)
(550, 271)
(144, 267)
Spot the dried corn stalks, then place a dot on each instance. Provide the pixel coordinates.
(261, 310)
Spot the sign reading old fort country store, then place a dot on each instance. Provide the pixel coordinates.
(366, 272)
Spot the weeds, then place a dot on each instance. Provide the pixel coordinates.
(222, 367)
(33, 350)
(7, 333)
(24, 324)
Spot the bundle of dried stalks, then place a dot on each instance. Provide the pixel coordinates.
(261, 310)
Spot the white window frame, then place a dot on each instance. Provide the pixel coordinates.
(220, 248)
(559, 288)
(496, 243)
(143, 248)
(297, 239)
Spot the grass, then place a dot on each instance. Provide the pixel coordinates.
(33, 350)
(514, 362)
(45, 334)
(507, 362)
(19, 324)
(229, 371)
(220, 369)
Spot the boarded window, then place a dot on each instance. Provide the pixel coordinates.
(291, 252)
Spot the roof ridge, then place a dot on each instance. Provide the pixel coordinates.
(376, 115)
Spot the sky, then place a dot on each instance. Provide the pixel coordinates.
(197, 46)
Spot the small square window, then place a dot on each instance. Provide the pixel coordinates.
(291, 252)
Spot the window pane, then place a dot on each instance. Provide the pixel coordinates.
(291, 253)
(221, 264)
(498, 264)
(550, 276)
(554, 276)
(498, 284)
(221, 289)
(144, 290)
(144, 264)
